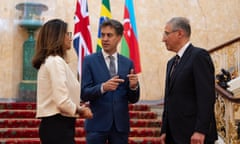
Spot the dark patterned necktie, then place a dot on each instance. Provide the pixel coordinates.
(112, 67)
(176, 61)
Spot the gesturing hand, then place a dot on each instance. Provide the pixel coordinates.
(112, 83)
(133, 79)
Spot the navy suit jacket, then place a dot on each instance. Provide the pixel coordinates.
(110, 107)
(190, 97)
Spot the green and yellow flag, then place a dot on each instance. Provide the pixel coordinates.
(104, 14)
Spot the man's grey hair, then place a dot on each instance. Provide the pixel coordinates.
(181, 23)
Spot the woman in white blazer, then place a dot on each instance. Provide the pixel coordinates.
(58, 90)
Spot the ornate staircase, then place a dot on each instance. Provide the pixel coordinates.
(18, 124)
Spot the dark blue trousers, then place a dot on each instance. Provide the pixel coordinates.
(110, 137)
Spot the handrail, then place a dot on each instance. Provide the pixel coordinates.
(218, 88)
(224, 44)
(226, 105)
(225, 94)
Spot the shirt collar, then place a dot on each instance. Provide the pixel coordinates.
(105, 55)
(183, 49)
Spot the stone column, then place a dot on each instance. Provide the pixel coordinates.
(31, 21)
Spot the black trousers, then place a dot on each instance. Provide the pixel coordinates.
(171, 140)
(57, 129)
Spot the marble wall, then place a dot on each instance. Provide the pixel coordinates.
(213, 23)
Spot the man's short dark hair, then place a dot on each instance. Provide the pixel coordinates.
(114, 24)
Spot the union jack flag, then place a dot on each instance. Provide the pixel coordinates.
(82, 37)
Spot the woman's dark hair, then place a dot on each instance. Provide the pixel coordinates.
(50, 41)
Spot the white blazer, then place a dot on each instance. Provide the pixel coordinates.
(58, 90)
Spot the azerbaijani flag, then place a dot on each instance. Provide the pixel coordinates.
(82, 36)
(129, 46)
(104, 14)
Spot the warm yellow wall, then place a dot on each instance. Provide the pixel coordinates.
(213, 23)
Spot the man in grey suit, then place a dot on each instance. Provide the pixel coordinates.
(109, 84)
(188, 116)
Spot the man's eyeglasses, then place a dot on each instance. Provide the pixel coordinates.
(168, 33)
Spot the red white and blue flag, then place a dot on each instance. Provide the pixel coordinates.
(82, 37)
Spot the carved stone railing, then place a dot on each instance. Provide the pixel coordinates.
(227, 56)
(227, 107)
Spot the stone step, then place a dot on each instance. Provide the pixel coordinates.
(158, 109)
(80, 132)
(155, 106)
(33, 122)
(18, 124)
(32, 113)
(132, 140)
(32, 106)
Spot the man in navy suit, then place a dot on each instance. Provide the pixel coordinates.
(109, 93)
(188, 116)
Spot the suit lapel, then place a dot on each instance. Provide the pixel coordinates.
(102, 62)
(180, 65)
(120, 66)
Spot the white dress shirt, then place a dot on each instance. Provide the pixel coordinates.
(183, 49)
(107, 60)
